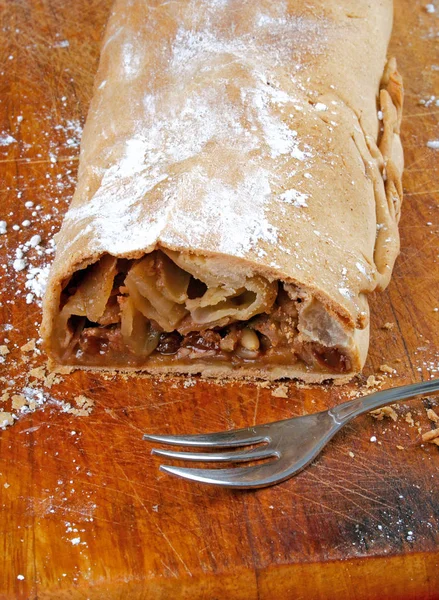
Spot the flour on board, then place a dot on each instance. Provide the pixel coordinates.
(6, 139)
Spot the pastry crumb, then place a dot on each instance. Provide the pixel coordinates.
(6, 419)
(29, 347)
(281, 391)
(385, 411)
(52, 379)
(38, 373)
(400, 447)
(4, 350)
(351, 454)
(62, 369)
(18, 401)
(84, 406)
(388, 325)
(264, 384)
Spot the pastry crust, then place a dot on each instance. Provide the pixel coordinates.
(245, 134)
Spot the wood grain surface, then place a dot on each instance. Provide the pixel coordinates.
(84, 511)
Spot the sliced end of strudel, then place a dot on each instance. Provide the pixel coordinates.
(172, 312)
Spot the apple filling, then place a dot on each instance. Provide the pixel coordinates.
(165, 308)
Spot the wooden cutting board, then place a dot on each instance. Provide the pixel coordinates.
(85, 512)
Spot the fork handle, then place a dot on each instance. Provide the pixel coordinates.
(353, 408)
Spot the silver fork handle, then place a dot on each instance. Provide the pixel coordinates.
(353, 408)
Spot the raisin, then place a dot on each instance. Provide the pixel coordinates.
(169, 343)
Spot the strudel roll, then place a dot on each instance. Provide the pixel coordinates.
(238, 194)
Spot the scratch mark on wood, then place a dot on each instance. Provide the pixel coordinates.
(255, 413)
(162, 533)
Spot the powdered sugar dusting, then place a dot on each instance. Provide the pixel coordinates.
(181, 142)
(234, 215)
(295, 198)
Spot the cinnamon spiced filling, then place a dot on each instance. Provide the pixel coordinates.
(157, 310)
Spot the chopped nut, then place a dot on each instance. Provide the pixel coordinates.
(372, 381)
(433, 416)
(409, 419)
(430, 435)
(385, 411)
(4, 350)
(281, 391)
(387, 369)
(249, 339)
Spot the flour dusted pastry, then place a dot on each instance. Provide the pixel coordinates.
(238, 192)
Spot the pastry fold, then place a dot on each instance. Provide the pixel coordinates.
(238, 194)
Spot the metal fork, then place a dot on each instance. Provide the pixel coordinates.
(292, 443)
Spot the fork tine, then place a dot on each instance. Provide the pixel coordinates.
(234, 456)
(223, 439)
(238, 478)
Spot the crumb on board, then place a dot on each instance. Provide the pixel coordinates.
(4, 350)
(400, 447)
(84, 406)
(18, 401)
(387, 369)
(388, 325)
(52, 378)
(385, 411)
(281, 391)
(38, 373)
(351, 454)
(32, 391)
(409, 419)
(432, 415)
(6, 419)
(264, 384)
(29, 346)
(373, 381)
